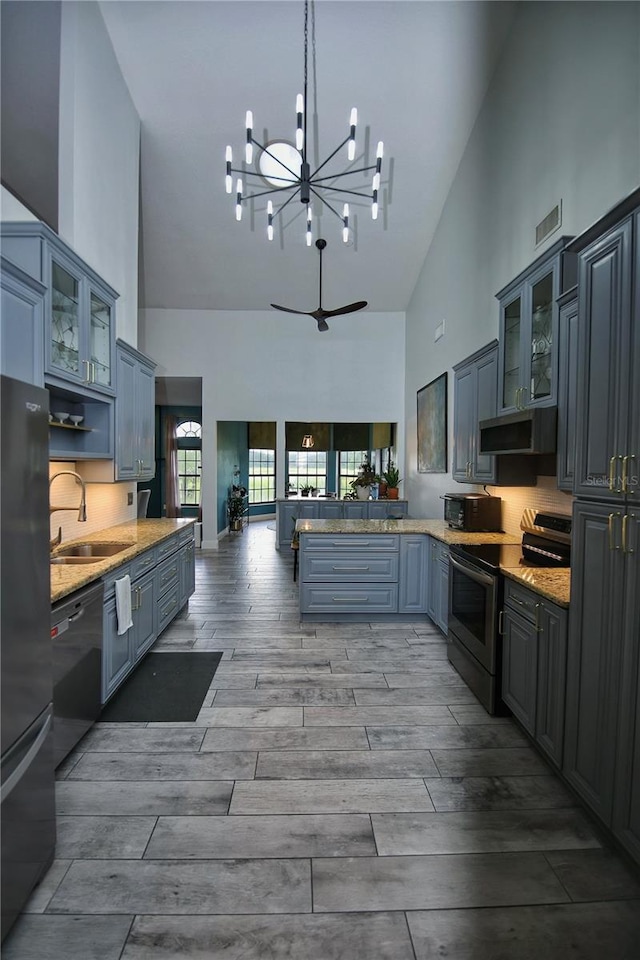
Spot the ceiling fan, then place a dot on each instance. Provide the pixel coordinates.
(320, 315)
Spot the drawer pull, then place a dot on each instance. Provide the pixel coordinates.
(169, 606)
(522, 603)
(351, 543)
(349, 569)
(350, 599)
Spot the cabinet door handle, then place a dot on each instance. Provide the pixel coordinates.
(537, 623)
(87, 373)
(626, 488)
(614, 485)
(612, 543)
(500, 623)
(625, 520)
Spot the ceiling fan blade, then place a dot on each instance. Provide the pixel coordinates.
(322, 325)
(350, 308)
(304, 313)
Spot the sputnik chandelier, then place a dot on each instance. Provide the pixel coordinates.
(287, 169)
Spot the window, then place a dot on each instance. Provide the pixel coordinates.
(307, 468)
(348, 467)
(262, 476)
(189, 440)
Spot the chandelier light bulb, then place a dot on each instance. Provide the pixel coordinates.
(380, 150)
(239, 199)
(299, 120)
(228, 180)
(351, 146)
(269, 220)
(345, 223)
(248, 150)
(309, 220)
(374, 210)
(376, 182)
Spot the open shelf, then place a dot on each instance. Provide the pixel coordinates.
(69, 426)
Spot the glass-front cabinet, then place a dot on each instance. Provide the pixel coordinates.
(81, 341)
(79, 309)
(528, 358)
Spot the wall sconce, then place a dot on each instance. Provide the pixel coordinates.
(307, 441)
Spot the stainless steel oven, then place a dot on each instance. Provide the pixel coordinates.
(475, 597)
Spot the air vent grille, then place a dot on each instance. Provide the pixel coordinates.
(550, 223)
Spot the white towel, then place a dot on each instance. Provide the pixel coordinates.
(123, 604)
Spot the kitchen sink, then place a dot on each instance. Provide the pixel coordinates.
(90, 551)
(76, 559)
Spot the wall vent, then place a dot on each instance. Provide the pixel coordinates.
(550, 223)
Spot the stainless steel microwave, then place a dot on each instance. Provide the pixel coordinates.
(472, 512)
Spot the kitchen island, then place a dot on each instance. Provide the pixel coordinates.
(354, 570)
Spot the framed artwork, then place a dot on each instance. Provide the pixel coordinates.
(432, 426)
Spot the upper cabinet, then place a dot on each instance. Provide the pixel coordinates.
(79, 309)
(21, 325)
(607, 463)
(528, 357)
(474, 385)
(135, 405)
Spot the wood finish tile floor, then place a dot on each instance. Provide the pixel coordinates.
(341, 796)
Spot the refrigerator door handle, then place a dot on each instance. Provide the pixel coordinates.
(14, 779)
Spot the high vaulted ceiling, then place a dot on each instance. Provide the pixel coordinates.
(417, 72)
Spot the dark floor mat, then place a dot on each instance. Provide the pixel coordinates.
(165, 687)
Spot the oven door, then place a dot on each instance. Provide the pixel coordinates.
(473, 610)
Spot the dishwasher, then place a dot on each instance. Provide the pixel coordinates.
(76, 639)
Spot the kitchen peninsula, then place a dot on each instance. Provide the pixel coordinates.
(292, 509)
(354, 570)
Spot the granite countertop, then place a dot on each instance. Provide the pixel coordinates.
(337, 499)
(140, 535)
(434, 528)
(552, 583)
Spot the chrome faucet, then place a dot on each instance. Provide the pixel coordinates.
(82, 509)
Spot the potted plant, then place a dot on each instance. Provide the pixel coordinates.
(307, 490)
(391, 476)
(236, 507)
(363, 482)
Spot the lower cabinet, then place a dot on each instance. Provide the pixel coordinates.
(534, 665)
(413, 583)
(437, 577)
(364, 574)
(162, 580)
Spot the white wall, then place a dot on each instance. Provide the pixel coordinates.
(99, 159)
(267, 366)
(561, 120)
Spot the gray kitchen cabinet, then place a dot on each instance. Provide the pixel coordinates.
(438, 583)
(21, 325)
(79, 313)
(135, 406)
(162, 580)
(413, 581)
(355, 509)
(475, 387)
(187, 572)
(528, 354)
(608, 439)
(567, 388)
(534, 653)
(594, 658)
(519, 656)
(143, 615)
(386, 509)
(117, 652)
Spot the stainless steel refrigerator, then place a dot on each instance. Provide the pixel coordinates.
(28, 781)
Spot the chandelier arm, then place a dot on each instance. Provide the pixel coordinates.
(334, 176)
(353, 193)
(304, 92)
(252, 173)
(265, 193)
(326, 203)
(331, 156)
(280, 209)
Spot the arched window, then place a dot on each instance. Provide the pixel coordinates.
(189, 442)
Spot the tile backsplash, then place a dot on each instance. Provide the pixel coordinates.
(544, 496)
(106, 504)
